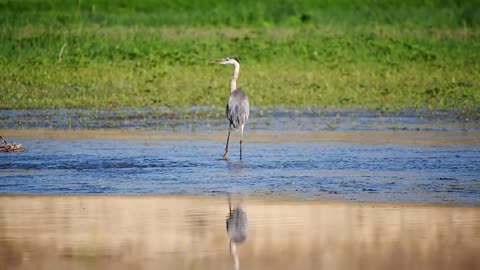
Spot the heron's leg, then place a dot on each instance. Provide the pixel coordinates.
(225, 154)
(241, 140)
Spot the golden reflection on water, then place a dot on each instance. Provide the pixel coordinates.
(168, 232)
(409, 137)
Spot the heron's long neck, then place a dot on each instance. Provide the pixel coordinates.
(233, 79)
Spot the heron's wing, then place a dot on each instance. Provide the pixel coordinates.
(238, 108)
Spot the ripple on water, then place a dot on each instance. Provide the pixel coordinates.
(307, 170)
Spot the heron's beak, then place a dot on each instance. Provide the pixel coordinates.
(215, 62)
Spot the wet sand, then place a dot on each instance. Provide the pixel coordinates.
(185, 232)
(410, 137)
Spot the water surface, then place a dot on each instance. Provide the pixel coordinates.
(200, 118)
(315, 191)
(179, 232)
(393, 166)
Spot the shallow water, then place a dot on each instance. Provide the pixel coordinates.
(210, 118)
(402, 167)
(179, 232)
(296, 176)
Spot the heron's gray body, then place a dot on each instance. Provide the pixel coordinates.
(238, 109)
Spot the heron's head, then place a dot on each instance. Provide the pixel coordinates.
(231, 60)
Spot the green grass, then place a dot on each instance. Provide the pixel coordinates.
(369, 54)
(413, 13)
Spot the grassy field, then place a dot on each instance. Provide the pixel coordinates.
(369, 54)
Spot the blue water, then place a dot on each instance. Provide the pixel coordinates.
(340, 171)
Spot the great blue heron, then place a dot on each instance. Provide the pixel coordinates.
(238, 107)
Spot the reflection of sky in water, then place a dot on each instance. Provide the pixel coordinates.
(307, 170)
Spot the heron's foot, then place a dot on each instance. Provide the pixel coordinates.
(225, 154)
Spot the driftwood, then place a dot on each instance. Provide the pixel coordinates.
(9, 147)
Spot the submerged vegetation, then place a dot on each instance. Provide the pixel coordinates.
(370, 54)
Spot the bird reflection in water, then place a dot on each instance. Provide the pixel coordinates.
(237, 229)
